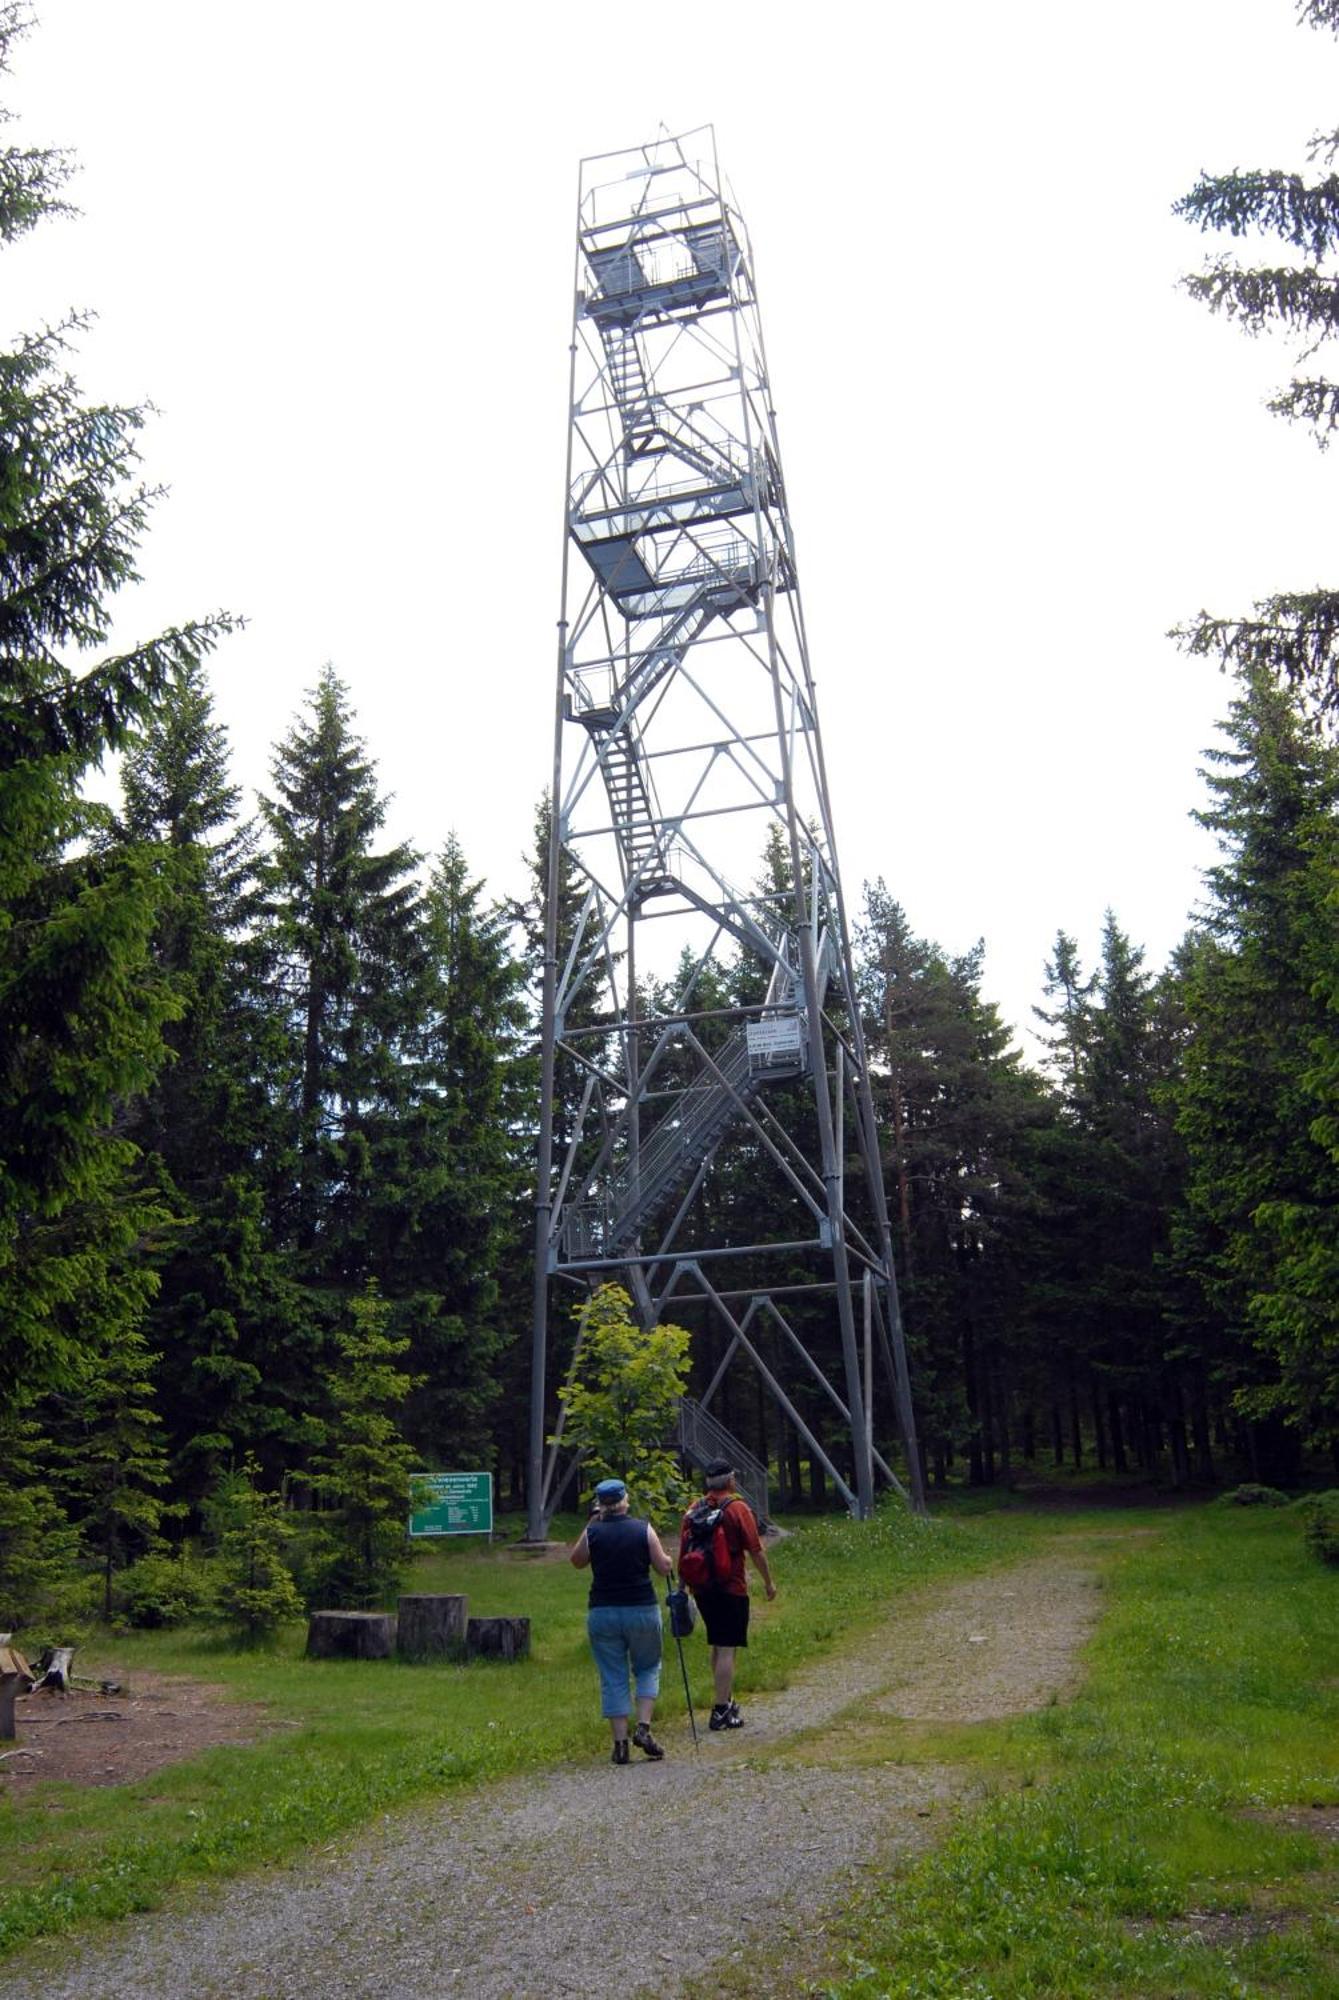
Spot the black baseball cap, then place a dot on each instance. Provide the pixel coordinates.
(719, 1468)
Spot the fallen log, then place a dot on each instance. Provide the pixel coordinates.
(351, 1635)
(498, 1638)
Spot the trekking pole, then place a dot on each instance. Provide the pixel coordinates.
(675, 1618)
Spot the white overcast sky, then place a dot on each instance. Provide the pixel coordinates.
(333, 245)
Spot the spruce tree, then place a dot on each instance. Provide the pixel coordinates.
(257, 1592)
(109, 1461)
(953, 1105)
(364, 1469)
(1293, 635)
(82, 1009)
(212, 1112)
(38, 1543)
(344, 960)
(1254, 1104)
(456, 1213)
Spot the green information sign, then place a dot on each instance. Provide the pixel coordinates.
(452, 1503)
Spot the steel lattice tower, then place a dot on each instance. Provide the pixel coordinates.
(686, 734)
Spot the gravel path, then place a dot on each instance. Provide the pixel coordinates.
(503, 1895)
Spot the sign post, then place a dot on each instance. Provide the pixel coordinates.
(451, 1503)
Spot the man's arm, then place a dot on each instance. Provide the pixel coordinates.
(579, 1553)
(758, 1557)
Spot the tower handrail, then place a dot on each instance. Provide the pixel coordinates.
(703, 1437)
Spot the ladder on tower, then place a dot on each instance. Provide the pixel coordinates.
(636, 824)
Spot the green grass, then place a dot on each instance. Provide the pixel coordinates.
(1106, 1834)
(1128, 1844)
(354, 1740)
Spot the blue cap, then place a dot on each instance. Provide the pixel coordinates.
(610, 1490)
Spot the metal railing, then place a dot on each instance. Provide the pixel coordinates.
(702, 1437)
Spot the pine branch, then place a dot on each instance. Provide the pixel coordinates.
(1274, 202)
(1310, 402)
(86, 716)
(1302, 300)
(1293, 637)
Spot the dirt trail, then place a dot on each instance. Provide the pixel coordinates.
(566, 1884)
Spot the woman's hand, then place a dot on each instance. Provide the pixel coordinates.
(660, 1562)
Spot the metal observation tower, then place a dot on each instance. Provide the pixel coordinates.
(686, 745)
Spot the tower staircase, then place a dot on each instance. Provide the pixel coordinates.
(636, 823)
(690, 1132)
(701, 1437)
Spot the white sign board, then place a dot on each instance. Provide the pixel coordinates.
(774, 1038)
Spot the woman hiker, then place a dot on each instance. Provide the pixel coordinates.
(623, 1622)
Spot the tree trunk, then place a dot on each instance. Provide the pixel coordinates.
(1118, 1458)
(431, 1627)
(351, 1635)
(55, 1666)
(1199, 1431)
(1099, 1428)
(1003, 1403)
(498, 1638)
(793, 1457)
(1029, 1434)
(987, 1425)
(15, 1679)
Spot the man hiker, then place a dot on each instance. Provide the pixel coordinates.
(723, 1599)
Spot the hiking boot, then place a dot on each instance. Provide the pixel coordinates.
(621, 1752)
(646, 1742)
(726, 1715)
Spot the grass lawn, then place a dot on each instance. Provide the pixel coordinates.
(1160, 1835)
(1157, 1836)
(357, 1739)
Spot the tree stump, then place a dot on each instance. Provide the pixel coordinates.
(55, 1667)
(15, 1679)
(351, 1635)
(498, 1638)
(432, 1627)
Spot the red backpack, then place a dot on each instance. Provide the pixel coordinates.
(705, 1560)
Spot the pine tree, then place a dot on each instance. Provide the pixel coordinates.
(1063, 982)
(38, 1544)
(1294, 635)
(339, 923)
(257, 1593)
(953, 1105)
(1254, 1104)
(455, 1213)
(109, 1461)
(211, 1113)
(364, 1469)
(81, 1009)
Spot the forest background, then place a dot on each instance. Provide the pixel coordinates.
(268, 1080)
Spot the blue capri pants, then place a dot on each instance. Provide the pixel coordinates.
(625, 1637)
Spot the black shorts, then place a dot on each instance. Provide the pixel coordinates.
(725, 1616)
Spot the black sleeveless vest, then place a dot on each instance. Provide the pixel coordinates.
(620, 1561)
